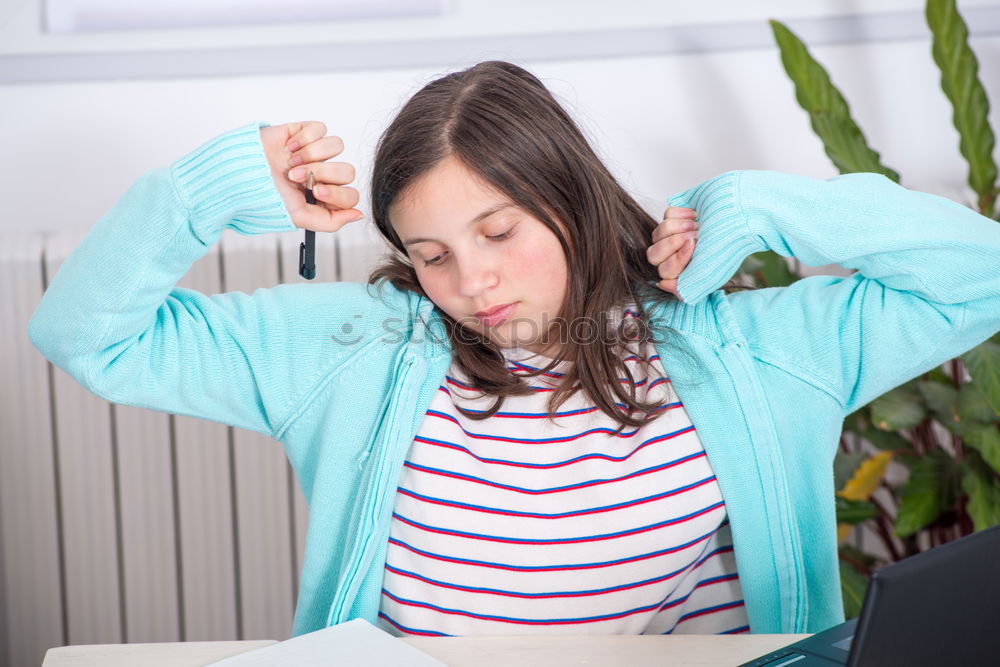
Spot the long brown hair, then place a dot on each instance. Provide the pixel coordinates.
(502, 123)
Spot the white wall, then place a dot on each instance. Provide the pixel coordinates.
(662, 121)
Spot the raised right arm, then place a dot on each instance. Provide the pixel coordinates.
(114, 321)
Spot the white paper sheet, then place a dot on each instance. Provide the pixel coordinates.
(356, 642)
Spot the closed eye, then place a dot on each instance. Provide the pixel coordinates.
(502, 236)
(437, 259)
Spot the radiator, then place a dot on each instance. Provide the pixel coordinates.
(120, 524)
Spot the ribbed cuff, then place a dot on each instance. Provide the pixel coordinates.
(227, 182)
(724, 240)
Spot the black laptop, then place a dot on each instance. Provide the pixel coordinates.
(939, 608)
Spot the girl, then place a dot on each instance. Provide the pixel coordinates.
(543, 415)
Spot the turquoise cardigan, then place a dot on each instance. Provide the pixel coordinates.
(766, 376)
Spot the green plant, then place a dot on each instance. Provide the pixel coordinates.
(940, 430)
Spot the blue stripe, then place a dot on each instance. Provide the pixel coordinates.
(497, 591)
(721, 577)
(532, 368)
(558, 515)
(487, 436)
(582, 457)
(511, 487)
(734, 604)
(543, 568)
(567, 413)
(742, 628)
(592, 408)
(694, 566)
(562, 540)
(412, 631)
(527, 621)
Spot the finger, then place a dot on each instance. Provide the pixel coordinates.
(673, 225)
(672, 268)
(320, 150)
(303, 133)
(679, 212)
(669, 286)
(337, 173)
(337, 196)
(321, 219)
(657, 253)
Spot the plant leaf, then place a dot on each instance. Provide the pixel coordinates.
(938, 375)
(939, 397)
(983, 490)
(985, 438)
(768, 269)
(972, 404)
(845, 144)
(852, 586)
(829, 114)
(888, 440)
(983, 362)
(859, 420)
(853, 512)
(844, 466)
(930, 490)
(900, 408)
(866, 478)
(960, 82)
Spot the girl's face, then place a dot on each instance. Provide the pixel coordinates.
(489, 265)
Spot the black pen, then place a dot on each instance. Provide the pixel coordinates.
(307, 249)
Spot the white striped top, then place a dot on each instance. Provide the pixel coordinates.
(520, 525)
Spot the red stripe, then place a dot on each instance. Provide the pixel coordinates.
(573, 438)
(408, 632)
(514, 464)
(717, 552)
(492, 510)
(596, 482)
(589, 566)
(599, 538)
(581, 594)
(469, 388)
(706, 612)
(513, 621)
(502, 415)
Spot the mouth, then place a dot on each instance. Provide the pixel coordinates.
(496, 315)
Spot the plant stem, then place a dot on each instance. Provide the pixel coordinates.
(958, 375)
(860, 567)
(882, 524)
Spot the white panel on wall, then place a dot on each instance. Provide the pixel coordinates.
(148, 538)
(31, 618)
(263, 502)
(64, 16)
(205, 505)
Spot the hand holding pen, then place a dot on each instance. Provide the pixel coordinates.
(294, 152)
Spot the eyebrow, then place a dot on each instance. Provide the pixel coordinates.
(482, 216)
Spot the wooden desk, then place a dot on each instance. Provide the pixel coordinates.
(616, 650)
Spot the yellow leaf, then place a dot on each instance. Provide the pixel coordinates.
(843, 530)
(866, 477)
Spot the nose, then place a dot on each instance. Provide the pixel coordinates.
(476, 274)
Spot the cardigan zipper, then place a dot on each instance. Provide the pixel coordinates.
(368, 527)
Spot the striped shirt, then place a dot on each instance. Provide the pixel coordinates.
(522, 525)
